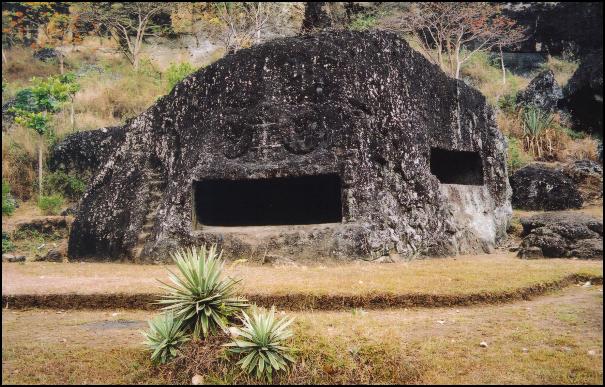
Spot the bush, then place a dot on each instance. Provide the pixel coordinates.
(51, 205)
(508, 103)
(8, 203)
(517, 158)
(177, 72)
(71, 187)
(7, 244)
(261, 344)
(164, 337)
(200, 297)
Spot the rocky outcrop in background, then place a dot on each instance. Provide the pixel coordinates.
(543, 92)
(541, 187)
(562, 235)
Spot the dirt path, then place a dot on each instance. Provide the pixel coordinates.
(554, 339)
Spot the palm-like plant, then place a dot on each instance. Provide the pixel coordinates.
(261, 342)
(200, 297)
(535, 123)
(164, 336)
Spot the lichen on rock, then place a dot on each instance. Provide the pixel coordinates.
(362, 107)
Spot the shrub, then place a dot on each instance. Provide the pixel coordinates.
(50, 205)
(164, 337)
(508, 103)
(517, 158)
(8, 203)
(200, 298)
(261, 343)
(66, 185)
(177, 72)
(7, 244)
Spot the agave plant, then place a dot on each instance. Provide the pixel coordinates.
(261, 343)
(200, 297)
(164, 337)
(535, 124)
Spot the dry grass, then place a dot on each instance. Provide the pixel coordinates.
(21, 67)
(448, 276)
(563, 69)
(545, 341)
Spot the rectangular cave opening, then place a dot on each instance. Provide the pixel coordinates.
(268, 202)
(457, 167)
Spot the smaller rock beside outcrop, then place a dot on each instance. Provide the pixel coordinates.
(48, 225)
(543, 92)
(57, 254)
(46, 54)
(562, 235)
(588, 177)
(13, 258)
(539, 187)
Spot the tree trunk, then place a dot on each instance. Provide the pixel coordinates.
(71, 115)
(40, 166)
(503, 67)
(4, 60)
(61, 61)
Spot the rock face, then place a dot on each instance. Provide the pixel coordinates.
(561, 235)
(342, 144)
(584, 94)
(85, 152)
(588, 177)
(543, 92)
(539, 187)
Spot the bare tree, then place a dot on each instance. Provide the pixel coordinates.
(449, 34)
(242, 24)
(128, 23)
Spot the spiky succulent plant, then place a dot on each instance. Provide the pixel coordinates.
(261, 343)
(164, 336)
(200, 297)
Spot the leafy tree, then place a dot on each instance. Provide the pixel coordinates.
(129, 23)
(34, 105)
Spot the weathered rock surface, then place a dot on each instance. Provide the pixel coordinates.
(85, 152)
(57, 254)
(540, 187)
(48, 225)
(13, 258)
(46, 54)
(543, 92)
(362, 107)
(584, 94)
(562, 234)
(588, 177)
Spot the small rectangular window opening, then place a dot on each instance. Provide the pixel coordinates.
(457, 167)
(272, 201)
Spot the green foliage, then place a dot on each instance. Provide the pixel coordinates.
(59, 182)
(8, 203)
(508, 102)
(51, 205)
(33, 104)
(517, 158)
(164, 336)
(363, 22)
(535, 121)
(7, 244)
(260, 342)
(177, 72)
(201, 298)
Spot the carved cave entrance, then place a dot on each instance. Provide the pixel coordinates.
(457, 167)
(268, 202)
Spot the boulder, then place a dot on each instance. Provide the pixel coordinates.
(339, 144)
(560, 235)
(588, 176)
(543, 92)
(540, 187)
(46, 54)
(584, 95)
(48, 225)
(13, 258)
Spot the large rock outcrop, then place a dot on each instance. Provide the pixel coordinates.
(341, 144)
(588, 177)
(584, 95)
(543, 92)
(562, 235)
(540, 187)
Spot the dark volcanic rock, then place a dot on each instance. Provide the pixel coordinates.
(588, 177)
(85, 152)
(584, 94)
(562, 234)
(543, 92)
(332, 144)
(46, 54)
(538, 187)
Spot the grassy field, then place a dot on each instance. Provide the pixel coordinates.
(460, 275)
(555, 339)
